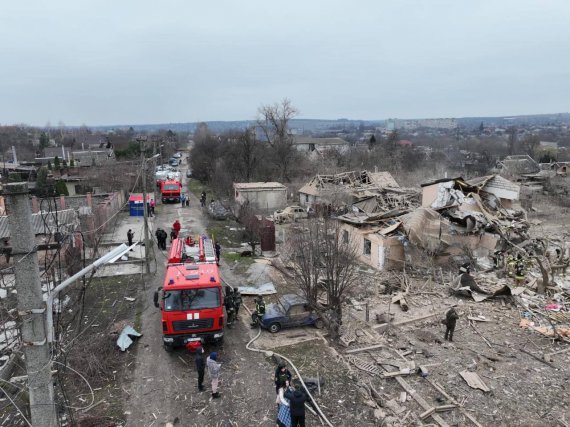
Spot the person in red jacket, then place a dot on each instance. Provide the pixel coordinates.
(176, 227)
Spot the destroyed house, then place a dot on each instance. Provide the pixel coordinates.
(345, 188)
(518, 165)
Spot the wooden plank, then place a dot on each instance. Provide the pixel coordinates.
(445, 408)
(415, 319)
(370, 347)
(439, 388)
(427, 413)
(420, 401)
(478, 319)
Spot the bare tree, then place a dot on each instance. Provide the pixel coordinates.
(324, 260)
(273, 120)
(531, 143)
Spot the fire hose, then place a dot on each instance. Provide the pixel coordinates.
(248, 346)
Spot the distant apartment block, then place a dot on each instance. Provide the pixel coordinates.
(411, 124)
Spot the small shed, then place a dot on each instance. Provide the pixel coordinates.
(136, 207)
(262, 196)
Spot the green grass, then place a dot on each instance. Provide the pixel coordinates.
(231, 257)
(197, 187)
(222, 234)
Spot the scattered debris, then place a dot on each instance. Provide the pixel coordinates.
(474, 381)
(124, 341)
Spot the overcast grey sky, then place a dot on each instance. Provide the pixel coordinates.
(142, 61)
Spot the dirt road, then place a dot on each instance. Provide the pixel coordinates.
(162, 387)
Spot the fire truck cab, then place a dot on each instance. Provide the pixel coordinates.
(170, 191)
(191, 302)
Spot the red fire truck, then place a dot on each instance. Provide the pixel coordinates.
(191, 299)
(201, 251)
(170, 191)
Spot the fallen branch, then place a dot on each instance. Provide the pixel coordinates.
(538, 358)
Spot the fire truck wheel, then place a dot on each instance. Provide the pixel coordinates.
(274, 328)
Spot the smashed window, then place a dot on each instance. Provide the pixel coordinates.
(367, 247)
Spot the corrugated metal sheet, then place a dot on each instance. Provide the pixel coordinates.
(45, 222)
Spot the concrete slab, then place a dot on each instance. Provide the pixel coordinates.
(119, 233)
(126, 269)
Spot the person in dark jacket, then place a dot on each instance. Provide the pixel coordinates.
(130, 236)
(297, 401)
(282, 376)
(200, 367)
(218, 249)
(450, 320)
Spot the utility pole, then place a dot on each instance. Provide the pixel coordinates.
(31, 306)
(147, 248)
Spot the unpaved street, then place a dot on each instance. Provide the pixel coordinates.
(162, 387)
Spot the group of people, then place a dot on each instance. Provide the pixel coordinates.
(232, 302)
(184, 200)
(161, 237)
(290, 400)
(211, 363)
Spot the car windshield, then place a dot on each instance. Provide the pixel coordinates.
(191, 299)
(171, 187)
(285, 305)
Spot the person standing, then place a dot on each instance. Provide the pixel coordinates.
(130, 236)
(450, 321)
(148, 210)
(297, 401)
(158, 235)
(218, 249)
(163, 236)
(183, 200)
(176, 227)
(214, 372)
(283, 410)
(259, 311)
(237, 300)
(200, 367)
(282, 376)
(229, 304)
(152, 206)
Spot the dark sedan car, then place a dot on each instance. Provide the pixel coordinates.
(290, 311)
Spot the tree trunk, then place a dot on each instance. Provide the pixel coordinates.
(541, 288)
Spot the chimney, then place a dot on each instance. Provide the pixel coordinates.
(61, 201)
(14, 155)
(89, 200)
(62, 152)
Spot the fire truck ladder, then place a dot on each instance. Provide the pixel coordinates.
(207, 252)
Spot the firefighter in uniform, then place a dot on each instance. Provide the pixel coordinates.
(520, 267)
(259, 311)
(229, 303)
(237, 300)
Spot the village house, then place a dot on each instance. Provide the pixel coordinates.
(262, 196)
(308, 144)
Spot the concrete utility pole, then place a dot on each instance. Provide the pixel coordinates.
(31, 307)
(147, 248)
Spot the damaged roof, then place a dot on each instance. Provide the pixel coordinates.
(362, 184)
(258, 185)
